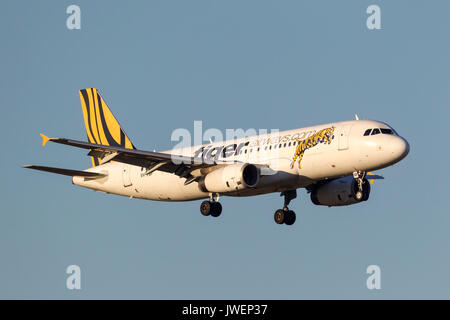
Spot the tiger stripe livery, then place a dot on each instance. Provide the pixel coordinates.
(101, 126)
(323, 136)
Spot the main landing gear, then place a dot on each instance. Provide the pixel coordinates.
(285, 215)
(211, 207)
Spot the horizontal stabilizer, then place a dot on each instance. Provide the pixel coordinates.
(66, 172)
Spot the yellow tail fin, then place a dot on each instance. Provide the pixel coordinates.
(101, 125)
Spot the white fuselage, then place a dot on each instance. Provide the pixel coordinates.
(348, 151)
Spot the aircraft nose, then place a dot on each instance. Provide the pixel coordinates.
(399, 148)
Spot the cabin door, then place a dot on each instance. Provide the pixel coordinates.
(343, 135)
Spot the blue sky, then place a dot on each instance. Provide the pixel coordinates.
(160, 65)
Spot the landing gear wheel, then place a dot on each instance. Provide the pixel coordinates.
(216, 209)
(205, 208)
(279, 216)
(212, 208)
(289, 217)
(359, 195)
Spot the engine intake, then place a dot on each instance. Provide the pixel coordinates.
(230, 178)
(339, 192)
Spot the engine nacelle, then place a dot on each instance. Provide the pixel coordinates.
(232, 177)
(339, 192)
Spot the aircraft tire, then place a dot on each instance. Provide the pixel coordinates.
(289, 217)
(279, 216)
(359, 195)
(205, 208)
(216, 209)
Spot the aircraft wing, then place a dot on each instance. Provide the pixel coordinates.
(172, 163)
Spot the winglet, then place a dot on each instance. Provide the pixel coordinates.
(45, 139)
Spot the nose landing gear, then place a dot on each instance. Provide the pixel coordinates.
(363, 187)
(285, 215)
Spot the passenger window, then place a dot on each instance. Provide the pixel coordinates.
(284, 145)
(367, 132)
(386, 131)
(289, 144)
(375, 131)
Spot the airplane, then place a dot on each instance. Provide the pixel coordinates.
(333, 162)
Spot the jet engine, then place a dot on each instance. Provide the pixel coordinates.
(340, 192)
(232, 177)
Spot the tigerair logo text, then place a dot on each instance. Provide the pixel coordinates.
(250, 142)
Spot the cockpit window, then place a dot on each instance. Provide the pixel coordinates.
(375, 131)
(379, 130)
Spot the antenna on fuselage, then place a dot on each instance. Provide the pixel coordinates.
(356, 117)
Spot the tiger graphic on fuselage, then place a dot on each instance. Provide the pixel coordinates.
(323, 136)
